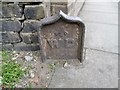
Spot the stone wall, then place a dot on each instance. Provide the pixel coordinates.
(57, 5)
(19, 25)
(70, 7)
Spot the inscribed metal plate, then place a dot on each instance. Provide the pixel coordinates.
(61, 37)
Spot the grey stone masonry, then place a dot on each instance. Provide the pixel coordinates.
(34, 12)
(29, 32)
(29, 38)
(30, 26)
(18, 29)
(56, 8)
(11, 10)
(10, 37)
(19, 20)
(7, 47)
(22, 1)
(11, 25)
(26, 47)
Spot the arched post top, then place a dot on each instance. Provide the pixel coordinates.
(62, 15)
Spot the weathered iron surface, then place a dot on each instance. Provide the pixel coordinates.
(61, 37)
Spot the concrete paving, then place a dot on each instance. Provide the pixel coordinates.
(101, 36)
(98, 71)
(96, 7)
(101, 19)
(100, 67)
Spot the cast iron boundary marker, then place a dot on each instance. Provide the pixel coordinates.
(55, 18)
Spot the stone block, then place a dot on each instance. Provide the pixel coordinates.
(0, 46)
(30, 27)
(34, 12)
(10, 25)
(0, 36)
(11, 10)
(26, 38)
(59, 2)
(29, 38)
(34, 39)
(0, 10)
(7, 47)
(26, 47)
(10, 37)
(56, 8)
(22, 1)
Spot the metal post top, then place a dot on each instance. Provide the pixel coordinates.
(61, 37)
(61, 15)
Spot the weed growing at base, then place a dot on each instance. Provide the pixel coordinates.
(11, 71)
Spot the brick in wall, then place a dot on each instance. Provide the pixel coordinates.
(30, 26)
(1, 37)
(10, 37)
(20, 25)
(29, 38)
(34, 38)
(35, 12)
(10, 25)
(26, 47)
(11, 10)
(7, 47)
(56, 8)
(0, 46)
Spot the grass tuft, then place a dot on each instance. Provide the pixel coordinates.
(11, 71)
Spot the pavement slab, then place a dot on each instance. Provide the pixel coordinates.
(101, 21)
(101, 7)
(99, 17)
(99, 70)
(102, 37)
